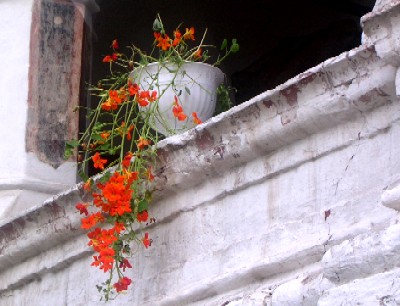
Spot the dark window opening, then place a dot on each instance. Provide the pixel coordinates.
(278, 40)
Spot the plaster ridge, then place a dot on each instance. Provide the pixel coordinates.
(235, 279)
(222, 144)
(32, 185)
(382, 12)
(325, 67)
(259, 180)
(363, 255)
(50, 224)
(32, 275)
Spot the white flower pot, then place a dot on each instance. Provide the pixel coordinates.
(193, 84)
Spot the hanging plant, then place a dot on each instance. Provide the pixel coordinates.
(145, 95)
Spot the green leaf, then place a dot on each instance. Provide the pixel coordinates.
(99, 126)
(223, 99)
(143, 205)
(72, 143)
(117, 246)
(69, 148)
(234, 46)
(103, 147)
(104, 179)
(68, 153)
(187, 90)
(224, 44)
(83, 175)
(97, 137)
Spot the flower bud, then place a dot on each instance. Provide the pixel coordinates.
(157, 26)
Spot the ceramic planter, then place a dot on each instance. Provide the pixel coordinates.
(193, 85)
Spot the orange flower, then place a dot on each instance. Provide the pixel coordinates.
(133, 89)
(157, 36)
(178, 37)
(149, 174)
(121, 208)
(130, 176)
(101, 239)
(123, 94)
(197, 54)
(115, 98)
(122, 284)
(116, 196)
(127, 159)
(110, 58)
(128, 132)
(142, 216)
(87, 185)
(92, 220)
(122, 130)
(105, 135)
(82, 207)
(109, 105)
(114, 44)
(114, 95)
(145, 97)
(146, 241)
(164, 43)
(178, 110)
(118, 227)
(107, 59)
(98, 162)
(189, 34)
(142, 143)
(196, 119)
(105, 260)
(153, 96)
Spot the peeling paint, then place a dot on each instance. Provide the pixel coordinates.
(307, 77)
(204, 139)
(268, 103)
(10, 232)
(290, 93)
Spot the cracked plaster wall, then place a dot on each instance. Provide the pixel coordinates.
(291, 198)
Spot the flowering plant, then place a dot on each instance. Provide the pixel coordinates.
(121, 144)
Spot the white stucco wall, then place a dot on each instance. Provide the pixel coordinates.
(16, 18)
(24, 180)
(291, 198)
(14, 37)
